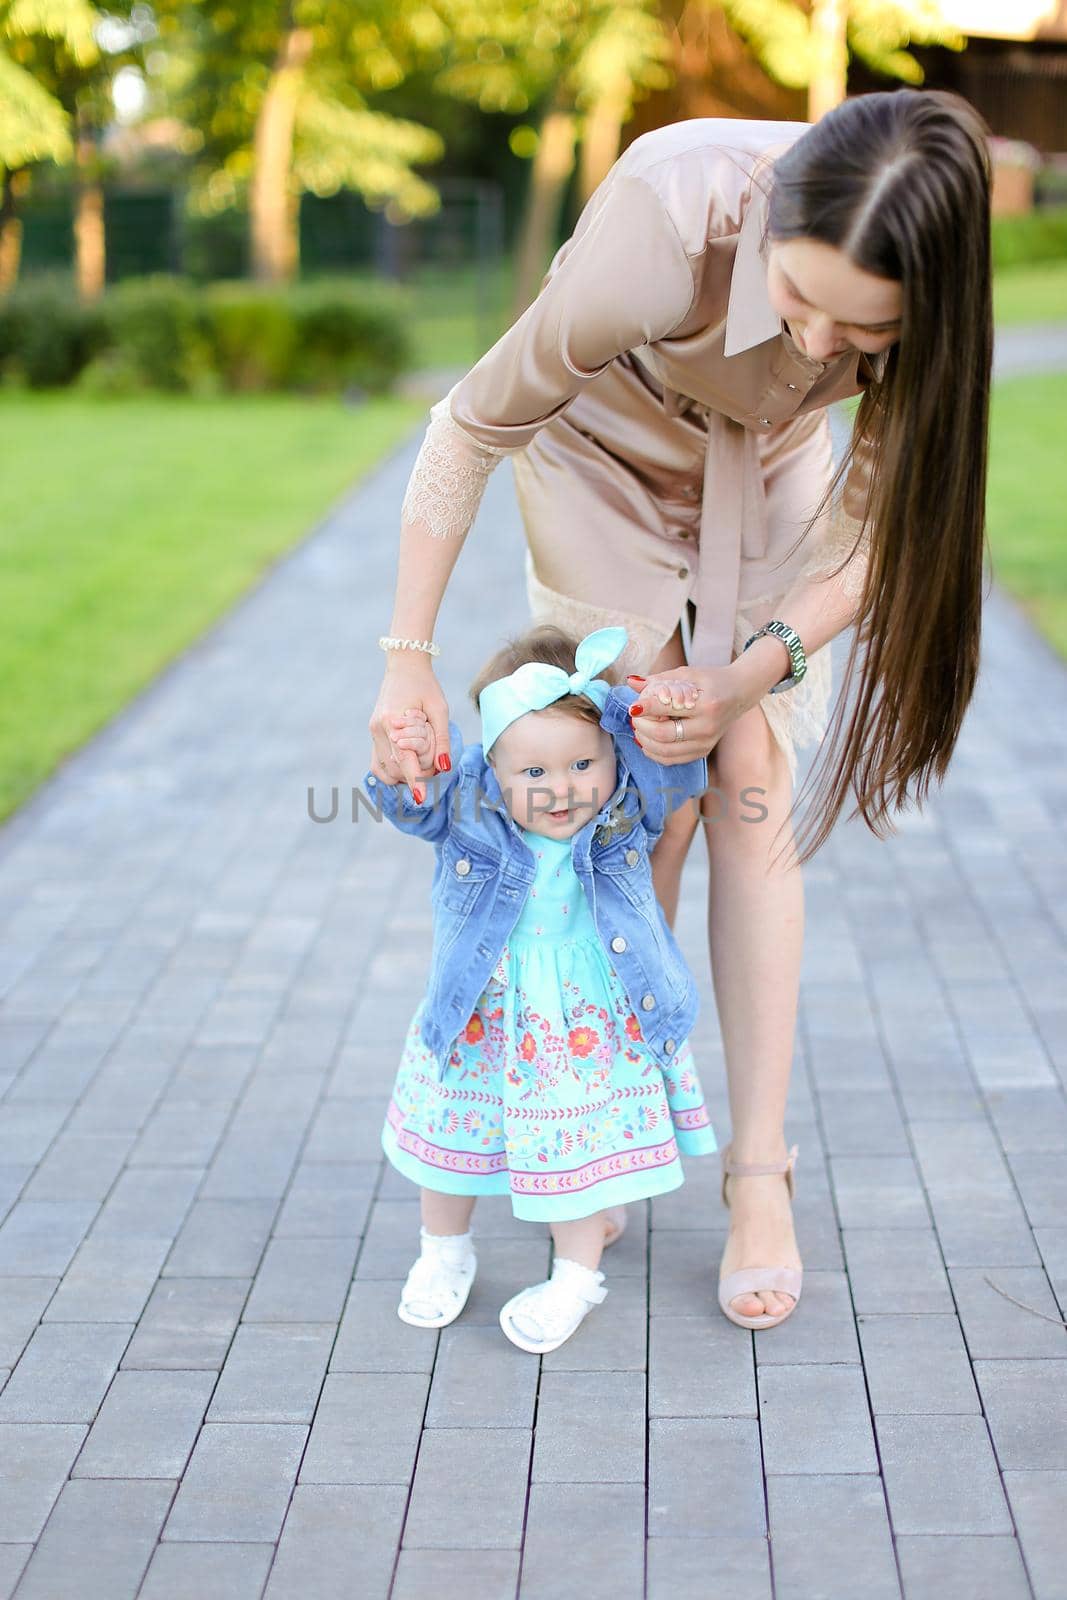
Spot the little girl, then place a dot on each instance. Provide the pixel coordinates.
(548, 1058)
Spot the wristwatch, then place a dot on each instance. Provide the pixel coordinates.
(791, 639)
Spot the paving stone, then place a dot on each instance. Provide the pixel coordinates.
(941, 1476)
(79, 1166)
(956, 1568)
(505, 1265)
(995, 1326)
(39, 1237)
(109, 1280)
(597, 1538)
(221, 1239)
(481, 1380)
(469, 1489)
(372, 1337)
(339, 1540)
(830, 1537)
(917, 1364)
(103, 1530)
(684, 1269)
(238, 1482)
(489, 1574)
(273, 1374)
(896, 1269)
(22, 1302)
(366, 1428)
(13, 1559)
(815, 1419)
(180, 1134)
(146, 1425)
(188, 1323)
(35, 1459)
(867, 1124)
(64, 1372)
(878, 1192)
(699, 1367)
(704, 1478)
(327, 1200)
(590, 1428)
(207, 1571)
(148, 1201)
(685, 1566)
(1037, 1500)
(302, 1280)
(1026, 1403)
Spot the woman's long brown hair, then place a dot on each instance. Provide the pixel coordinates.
(900, 182)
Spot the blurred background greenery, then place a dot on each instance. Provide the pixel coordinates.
(242, 243)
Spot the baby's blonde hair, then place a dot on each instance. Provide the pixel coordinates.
(549, 646)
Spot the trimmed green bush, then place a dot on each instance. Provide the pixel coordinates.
(252, 333)
(165, 333)
(1036, 236)
(46, 335)
(155, 325)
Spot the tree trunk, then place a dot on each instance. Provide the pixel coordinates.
(10, 235)
(274, 207)
(829, 57)
(552, 167)
(90, 246)
(601, 138)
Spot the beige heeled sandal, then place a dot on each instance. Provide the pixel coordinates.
(747, 1280)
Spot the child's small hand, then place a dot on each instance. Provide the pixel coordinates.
(673, 694)
(412, 732)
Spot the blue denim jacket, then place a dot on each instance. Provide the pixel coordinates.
(484, 870)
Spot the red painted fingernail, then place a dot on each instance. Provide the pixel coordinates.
(418, 796)
(636, 678)
(637, 711)
(444, 763)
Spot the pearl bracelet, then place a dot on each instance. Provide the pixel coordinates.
(431, 649)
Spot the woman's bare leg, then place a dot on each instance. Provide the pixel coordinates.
(755, 932)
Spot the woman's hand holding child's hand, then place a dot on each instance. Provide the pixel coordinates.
(412, 733)
(700, 700)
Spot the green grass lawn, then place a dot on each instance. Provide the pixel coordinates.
(1027, 496)
(1036, 293)
(128, 527)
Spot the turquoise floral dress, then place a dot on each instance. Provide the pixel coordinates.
(550, 1093)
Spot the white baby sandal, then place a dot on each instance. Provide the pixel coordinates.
(543, 1317)
(436, 1289)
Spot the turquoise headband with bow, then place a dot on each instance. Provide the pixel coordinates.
(536, 685)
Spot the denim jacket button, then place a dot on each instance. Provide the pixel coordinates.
(647, 1002)
(463, 866)
(668, 1047)
(632, 857)
(618, 944)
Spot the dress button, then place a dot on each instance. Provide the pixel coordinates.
(668, 1047)
(790, 385)
(463, 866)
(647, 1002)
(371, 781)
(618, 944)
(632, 857)
(683, 572)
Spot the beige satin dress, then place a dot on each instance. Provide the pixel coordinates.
(669, 440)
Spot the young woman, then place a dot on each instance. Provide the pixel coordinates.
(664, 401)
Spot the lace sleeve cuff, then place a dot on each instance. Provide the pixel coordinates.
(840, 545)
(449, 476)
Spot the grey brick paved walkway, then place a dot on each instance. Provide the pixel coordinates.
(205, 1391)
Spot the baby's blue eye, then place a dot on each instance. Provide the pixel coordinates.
(535, 772)
(583, 763)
